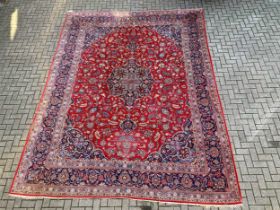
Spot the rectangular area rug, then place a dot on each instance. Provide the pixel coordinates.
(130, 110)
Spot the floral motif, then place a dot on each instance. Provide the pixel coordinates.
(128, 125)
(130, 82)
(73, 145)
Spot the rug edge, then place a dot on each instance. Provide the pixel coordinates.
(208, 204)
(221, 105)
(111, 12)
(38, 106)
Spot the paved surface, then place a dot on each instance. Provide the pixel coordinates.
(244, 38)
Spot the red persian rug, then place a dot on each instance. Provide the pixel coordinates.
(130, 110)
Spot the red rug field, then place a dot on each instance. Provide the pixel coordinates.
(130, 110)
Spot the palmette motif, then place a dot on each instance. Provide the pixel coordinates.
(131, 106)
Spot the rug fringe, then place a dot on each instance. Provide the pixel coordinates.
(29, 197)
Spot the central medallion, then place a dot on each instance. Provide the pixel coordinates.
(130, 82)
